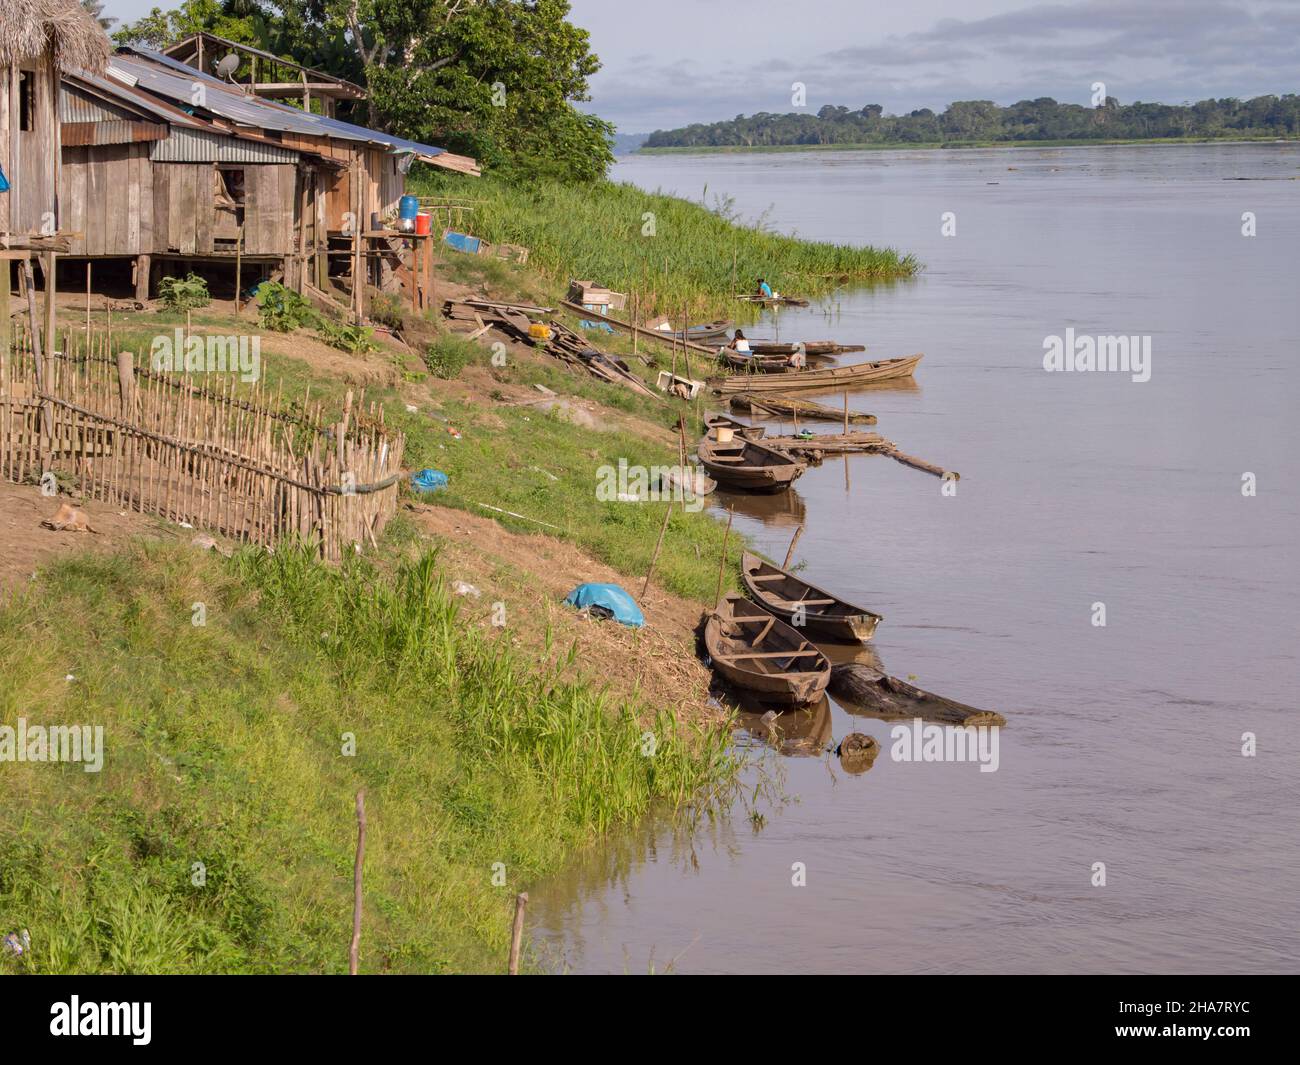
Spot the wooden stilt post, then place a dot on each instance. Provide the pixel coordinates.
(143, 272)
(87, 306)
(846, 413)
(239, 266)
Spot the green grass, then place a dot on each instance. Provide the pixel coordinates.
(224, 746)
(504, 469)
(598, 232)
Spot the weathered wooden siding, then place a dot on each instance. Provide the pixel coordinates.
(107, 195)
(31, 157)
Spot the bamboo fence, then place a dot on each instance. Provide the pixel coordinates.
(198, 449)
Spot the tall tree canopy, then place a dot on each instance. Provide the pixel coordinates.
(496, 79)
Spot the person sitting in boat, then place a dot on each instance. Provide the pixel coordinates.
(739, 343)
(798, 358)
(764, 289)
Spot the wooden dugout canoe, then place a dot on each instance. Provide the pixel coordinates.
(714, 419)
(782, 593)
(772, 301)
(833, 379)
(761, 654)
(789, 406)
(744, 463)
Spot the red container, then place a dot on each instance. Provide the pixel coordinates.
(422, 222)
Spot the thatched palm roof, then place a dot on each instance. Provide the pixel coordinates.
(28, 27)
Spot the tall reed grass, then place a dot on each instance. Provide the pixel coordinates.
(674, 253)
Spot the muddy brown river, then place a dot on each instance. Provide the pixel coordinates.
(1124, 741)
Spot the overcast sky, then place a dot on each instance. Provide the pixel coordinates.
(673, 62)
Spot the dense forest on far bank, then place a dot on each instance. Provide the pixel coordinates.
(978, 121)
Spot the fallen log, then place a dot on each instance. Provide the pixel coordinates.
(884, 696)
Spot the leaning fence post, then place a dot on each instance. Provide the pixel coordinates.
(354, 950)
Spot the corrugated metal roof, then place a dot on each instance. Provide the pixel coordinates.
(141, 101)
(199, 146)
(176, 80)
(76, 105)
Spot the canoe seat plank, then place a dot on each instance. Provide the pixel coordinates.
(802, 602)
(769, 577)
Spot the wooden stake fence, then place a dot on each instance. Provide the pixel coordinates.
(197, 449)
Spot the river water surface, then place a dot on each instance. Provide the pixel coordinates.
(1123, 743)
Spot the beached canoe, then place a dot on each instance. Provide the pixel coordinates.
(833, 379)
(789, 406)
(782, 593)
(702, 332)
(744, 463)
(762, 655)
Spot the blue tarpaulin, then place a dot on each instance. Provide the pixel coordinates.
(462, 242)
(4, 182)
(603, 327)
(609, 599)
(428, 480)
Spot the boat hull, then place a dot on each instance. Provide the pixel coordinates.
(838, 620)
(838, 377)
(730, 633)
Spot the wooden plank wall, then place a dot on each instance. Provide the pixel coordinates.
(107, 194)
(270, 208)
(6, 77)
(32, 173)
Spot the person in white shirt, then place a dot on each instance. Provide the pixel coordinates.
(739, 343)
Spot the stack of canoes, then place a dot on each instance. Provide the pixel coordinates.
(758, 644)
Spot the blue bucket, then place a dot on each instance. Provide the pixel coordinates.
(408, 207)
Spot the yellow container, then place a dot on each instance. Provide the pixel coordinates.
(725, 433)
(539, 332)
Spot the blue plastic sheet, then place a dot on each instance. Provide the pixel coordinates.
(610, 600)
(462, 242)
(4, 181)
(428, 480)
(600, 327)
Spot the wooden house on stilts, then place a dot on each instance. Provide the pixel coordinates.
(170, 166)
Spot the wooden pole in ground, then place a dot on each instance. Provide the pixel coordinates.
(239, 266)
(658, 544)
(790, 553)
(636, 318)
(87, 306)
(355, 948)
(717, 598)
(517, 933)
(846, 413)
(686, 339)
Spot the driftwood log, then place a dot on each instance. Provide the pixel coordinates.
(886, 696)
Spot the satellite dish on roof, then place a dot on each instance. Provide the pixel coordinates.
(227, 67)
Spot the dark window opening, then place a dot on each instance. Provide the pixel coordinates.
(26, 101)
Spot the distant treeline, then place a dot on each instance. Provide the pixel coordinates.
(982, 120)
